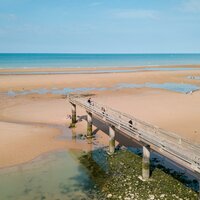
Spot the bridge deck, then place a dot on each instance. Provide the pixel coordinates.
(166, 143)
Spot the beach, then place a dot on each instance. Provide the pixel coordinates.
(99, 100)
(31, 122)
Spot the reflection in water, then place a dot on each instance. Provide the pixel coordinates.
(73, 134)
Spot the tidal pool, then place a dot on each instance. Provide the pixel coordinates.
(175, 87)
(50, 91)
(52, 176)
(75, 175)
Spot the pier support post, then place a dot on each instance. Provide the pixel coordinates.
(89, 125)
(73, 115)
(73, 134)
(111, 139)
(146, 162)
(199, 189)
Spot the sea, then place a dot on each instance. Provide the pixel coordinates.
(68, 60)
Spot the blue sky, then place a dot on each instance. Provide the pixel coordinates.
(100, 26)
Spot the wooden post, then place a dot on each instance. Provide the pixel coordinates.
(146, 162)
(111, 139)
(89, 125)
(73, 114)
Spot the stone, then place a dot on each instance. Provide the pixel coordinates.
(162, 196)
(151, 197)
(109, 195)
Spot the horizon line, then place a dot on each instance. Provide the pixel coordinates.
(108, 53)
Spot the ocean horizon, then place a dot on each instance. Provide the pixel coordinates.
(78, 60)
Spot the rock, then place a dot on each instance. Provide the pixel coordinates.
(132, 195)
(109, 195)
(151, 197)
(162, 196)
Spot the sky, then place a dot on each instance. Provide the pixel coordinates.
(100, 26)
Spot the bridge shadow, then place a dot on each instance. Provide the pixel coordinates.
(168, 167)
(81, 118)
(120, 137)
(186, 177)
(103, 169)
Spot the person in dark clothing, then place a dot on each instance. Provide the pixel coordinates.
(89, 101)
(130, 123)
(103, 110)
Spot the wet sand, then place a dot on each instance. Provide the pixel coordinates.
(31, 124)
(61, 69)
(28, 82)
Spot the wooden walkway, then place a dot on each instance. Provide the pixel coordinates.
(165, 143)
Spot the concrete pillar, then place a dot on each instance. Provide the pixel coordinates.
(146, 162)
(111, 139)
(89, 124)
(73, 114)
(73, 134)
(199, 189)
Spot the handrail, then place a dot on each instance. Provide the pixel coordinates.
(166, 141)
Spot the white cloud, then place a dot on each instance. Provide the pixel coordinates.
(191, 5)
(136, 14)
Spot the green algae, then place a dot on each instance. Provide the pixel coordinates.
(145, 166)
(112, 143)
(73, 118)
(120, 179)
(89, 130)
(72, 125)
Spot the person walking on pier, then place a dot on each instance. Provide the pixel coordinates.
(103, 110)
(130, 123)
(68, 117)
(89, 101)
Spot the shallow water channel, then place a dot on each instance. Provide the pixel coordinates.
(57, 175)
(79, 175)
(174, 87)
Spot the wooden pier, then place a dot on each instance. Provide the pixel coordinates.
(150, 137)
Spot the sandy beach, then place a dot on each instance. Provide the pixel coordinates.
(32, 124)
(28, 82)
(138, 137)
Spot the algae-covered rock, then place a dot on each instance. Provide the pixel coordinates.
(120, 178)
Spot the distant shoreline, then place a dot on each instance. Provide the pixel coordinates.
(93, 70)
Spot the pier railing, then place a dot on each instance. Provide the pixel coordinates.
(164, 142)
